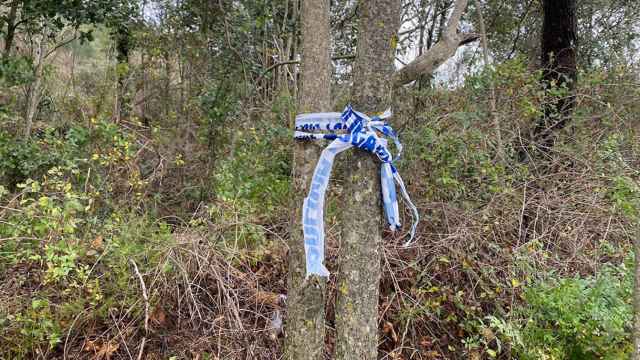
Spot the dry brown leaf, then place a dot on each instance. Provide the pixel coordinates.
(266, 297)
(488, 334)
(158, 316)
(389, 330)
(151, 355)
(102, 352)
(90, 345)
(97, 243)
(474, 355)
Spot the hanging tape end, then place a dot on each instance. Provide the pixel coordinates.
(317, 269)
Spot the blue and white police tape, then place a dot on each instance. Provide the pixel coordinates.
(361, 132)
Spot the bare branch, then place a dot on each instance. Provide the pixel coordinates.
(294, 62)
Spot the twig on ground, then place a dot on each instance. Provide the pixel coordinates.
(145, 297)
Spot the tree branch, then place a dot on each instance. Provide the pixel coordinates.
(292, 62)
(276, 65)
(440, 52)
(468, 38)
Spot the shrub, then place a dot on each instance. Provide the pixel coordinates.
(576, 318)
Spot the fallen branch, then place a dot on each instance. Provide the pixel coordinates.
(145, 297)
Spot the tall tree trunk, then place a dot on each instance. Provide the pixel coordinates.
(166, 88)
(144, 105)
(296, 44)
(558, 61)
(358, 283)
(558, 46)
(425, 81)
(123, 47)
(305, 322)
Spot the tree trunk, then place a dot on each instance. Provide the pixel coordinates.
(358, 283)
(35, 88)
(559, 46)
(123, 47)
(11, 29)
(305, 321)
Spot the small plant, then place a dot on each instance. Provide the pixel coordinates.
(38, 327)
(575, 318)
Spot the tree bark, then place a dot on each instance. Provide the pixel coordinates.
(559, 44)
(35, 88)
(11, 29)
(305, 321)
(444, 49)
(358, 281)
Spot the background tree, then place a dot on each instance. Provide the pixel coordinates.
(559, 69)
(45, 27)
(123, 44)
(121, 22)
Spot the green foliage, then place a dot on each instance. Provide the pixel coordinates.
(55, 15)
(514, 31)
(252, 184)
(575, 318)
(220, 104)
(259, 171)
(37, 326)
(24, 158)
(79, 261)
(458, 164)
(59, 225)
(15, 71)
(21, 159)
(625, 195)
